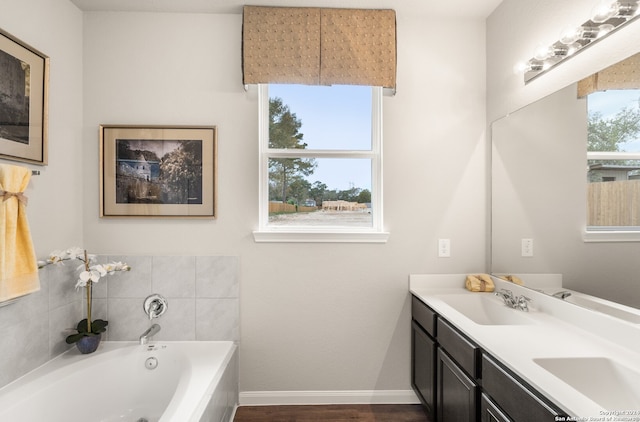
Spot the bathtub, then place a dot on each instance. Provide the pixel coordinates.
(124, 381)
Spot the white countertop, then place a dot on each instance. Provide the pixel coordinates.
(560, 330)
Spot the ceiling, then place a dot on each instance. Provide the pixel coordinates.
(466, 8)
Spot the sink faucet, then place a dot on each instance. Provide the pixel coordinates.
(563, 294)
(150, 332)
(515, 302)
(507, 297)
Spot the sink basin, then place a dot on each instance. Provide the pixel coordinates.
(609, 384)
(486, 309)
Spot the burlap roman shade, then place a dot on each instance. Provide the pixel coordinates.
(317, 46)
(622, 75)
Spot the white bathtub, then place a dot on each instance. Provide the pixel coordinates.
(192, 382)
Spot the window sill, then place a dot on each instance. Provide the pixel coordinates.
(611, 236)
(325, 236)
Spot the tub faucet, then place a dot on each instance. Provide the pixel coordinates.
(150, 332)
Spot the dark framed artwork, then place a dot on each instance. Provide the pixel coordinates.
(158, 171)
(24, 89)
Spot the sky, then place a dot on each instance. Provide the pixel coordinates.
(336, 117)
(608, 103)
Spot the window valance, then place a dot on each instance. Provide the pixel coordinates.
(319, 46)
(622, 75)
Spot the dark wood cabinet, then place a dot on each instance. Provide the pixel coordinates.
(423, 367)
(489, 412)
(456, 392)
(517, 399)
(459, 382)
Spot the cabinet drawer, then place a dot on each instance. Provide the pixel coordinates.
(513, 395)
(424, 315)
(463, 351)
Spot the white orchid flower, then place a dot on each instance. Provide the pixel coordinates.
(74, 253)
(94, 272)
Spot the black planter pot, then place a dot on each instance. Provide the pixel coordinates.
(88, 344)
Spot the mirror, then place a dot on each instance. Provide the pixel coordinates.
(539, 185)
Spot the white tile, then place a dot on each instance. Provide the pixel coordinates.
(174, 276)
(217, 319)
(217, 276)
(130, 284)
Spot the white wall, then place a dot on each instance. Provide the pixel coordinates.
(313, 316)
(604, 269)
(54, 27)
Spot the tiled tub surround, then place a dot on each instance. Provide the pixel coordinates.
(202, 292)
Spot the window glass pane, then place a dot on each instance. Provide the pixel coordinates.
(331, 192)
(334, 117)
(614, 184)
(614, 120)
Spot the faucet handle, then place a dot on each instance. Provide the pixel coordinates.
(155, 305)
(523, 303)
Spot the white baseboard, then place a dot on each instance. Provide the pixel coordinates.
(265, 398)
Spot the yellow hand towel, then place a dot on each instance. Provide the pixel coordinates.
(479, 283)
(18, 264)
(512, 278)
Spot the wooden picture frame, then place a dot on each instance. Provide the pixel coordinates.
(158, 171)
(24, 97)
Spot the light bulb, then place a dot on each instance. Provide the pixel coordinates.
(627, 9)
(542, 52)
(570, 35)
(604, 29)
(573, 48)
(604, 11)
(520, 67)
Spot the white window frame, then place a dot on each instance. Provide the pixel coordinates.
(613, 234)
(271, 233)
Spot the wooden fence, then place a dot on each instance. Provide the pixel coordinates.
(280, 208)
(613, 203)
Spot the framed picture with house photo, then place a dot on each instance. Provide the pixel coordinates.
(24, 87)
(158, 171)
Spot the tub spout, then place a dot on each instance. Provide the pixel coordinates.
(151, 331)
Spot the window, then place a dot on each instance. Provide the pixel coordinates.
(320, 163)
(613, 159)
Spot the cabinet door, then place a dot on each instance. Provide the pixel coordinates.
(423, 366)
(456, 393)
(489, 412)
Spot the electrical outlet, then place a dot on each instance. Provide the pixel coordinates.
(444, 248)
(527, 247)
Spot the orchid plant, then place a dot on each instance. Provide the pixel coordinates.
(90, 273)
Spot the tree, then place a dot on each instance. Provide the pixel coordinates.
(609, 134)
(284, 133)
(364, 197)
(317, 192)
(299, 190)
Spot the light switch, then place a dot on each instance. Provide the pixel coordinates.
(444, 248)
(527, 247)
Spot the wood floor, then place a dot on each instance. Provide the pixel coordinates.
(333, 413)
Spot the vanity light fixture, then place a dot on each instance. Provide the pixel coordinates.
(606, 17)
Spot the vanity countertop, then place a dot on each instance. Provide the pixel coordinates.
(557, 332)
